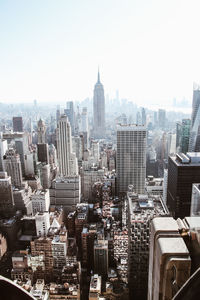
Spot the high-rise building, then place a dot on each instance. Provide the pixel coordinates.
(183, 135)
(69, 111)
(161, 118)
(41, 130)
(101, 257)
(3, 149)
(183, 171)
(42, 222)
(131, 157)
(40, 201)
(195, 201)
(141, 210)
(194, 143)
(99, 110)
(67, 160)
(17, 124)
(6, 195)
(12, 166)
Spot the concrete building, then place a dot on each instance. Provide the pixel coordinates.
(77, 147)
(154, 186)
(46, 176)
(3, 245)
(3, 149)
(131, 157)
(183, 171)
(29, 164)
(66, 192)
(169, 259)
(99, 110)
(194, 142)
(69, 112)
(141, 210)
(17, 124)
(95, 287)
(88, 178)
(41, 131)
(101, 257)
(95, 151)
(59, 250)
(40, 201)
(12, 165)
(6, 196)
(195, 201)
(67, 160)
(22, 199)
(42, 223)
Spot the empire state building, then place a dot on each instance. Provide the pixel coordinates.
(99, 110)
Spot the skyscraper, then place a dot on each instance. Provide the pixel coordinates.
(194, 143)
(131, 157)
(99, 110)
(67, 160)
(183, 171)
(6, 195)
(69, 111)
(12, 165)
(41, 132)
(17, 124)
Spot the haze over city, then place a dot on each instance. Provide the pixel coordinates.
(147, 50)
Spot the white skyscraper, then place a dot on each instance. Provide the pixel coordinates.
(194, 141)
(131, 157)
(67, 160)
(12, 166)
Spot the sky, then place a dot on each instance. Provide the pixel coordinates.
(50, 50)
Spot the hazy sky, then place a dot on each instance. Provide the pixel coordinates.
(50, 49)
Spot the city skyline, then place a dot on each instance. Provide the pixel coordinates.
(144, 50)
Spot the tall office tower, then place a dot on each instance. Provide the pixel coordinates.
(169, 259)
(183, 135)
(6, 196)
(138, 118)
(84, 120)
(131, 157)
(41, 130)
(161, 118)
(57, 113)
(43, 153)
(141, 210)
(101, 257)
(17, 124)
(183, 171)
(12, 166)
(22, 147)
(3, 149)
(69, 111)
(144, 118)
(95, 151)
(67, 160)
(194, 143)
(99, 110)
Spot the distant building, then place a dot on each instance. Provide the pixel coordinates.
(183, 171)
(131, 157)
(161, 118)
(194, 142)
(69, 111)
(41, 130)
(17, 124)
(183, 135)
(99, 110)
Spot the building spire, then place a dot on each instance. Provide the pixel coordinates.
(98, 78)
